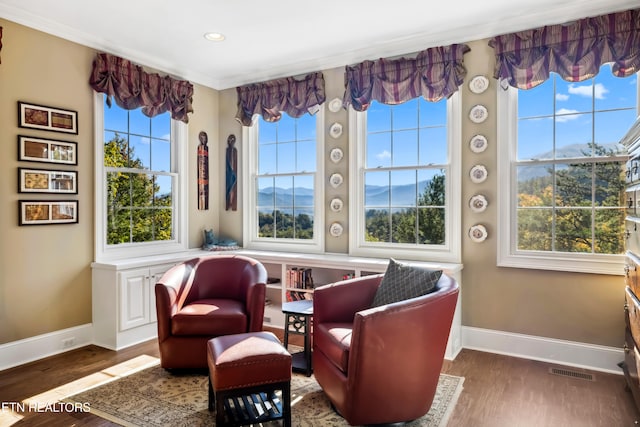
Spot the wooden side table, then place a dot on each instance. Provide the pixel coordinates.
(298, 319)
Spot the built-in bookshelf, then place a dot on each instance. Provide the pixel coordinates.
(298, 283)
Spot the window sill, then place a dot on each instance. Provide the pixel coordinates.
(594, 264)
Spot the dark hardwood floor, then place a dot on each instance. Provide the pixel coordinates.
(498, 391)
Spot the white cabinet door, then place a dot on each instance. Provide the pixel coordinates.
(134, 298)
(155, 273)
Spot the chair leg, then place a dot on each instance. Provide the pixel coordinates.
(212, 396)
(286, 404)
(219, 402)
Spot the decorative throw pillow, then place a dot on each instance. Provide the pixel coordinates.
(404, 281)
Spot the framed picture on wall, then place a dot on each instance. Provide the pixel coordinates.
(35, 116)
(41, 212)
(47, 150)
(47, 181)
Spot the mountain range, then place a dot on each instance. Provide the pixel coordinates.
(403, 195)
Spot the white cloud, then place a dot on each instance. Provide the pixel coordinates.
(562, 97)
(599, 90)
(562, 118)
(384, 155)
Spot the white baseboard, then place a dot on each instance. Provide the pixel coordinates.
(29, 349)
(569, 353)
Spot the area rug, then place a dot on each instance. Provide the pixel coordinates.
(154, 397)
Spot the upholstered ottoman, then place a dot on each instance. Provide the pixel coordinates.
(245, 372)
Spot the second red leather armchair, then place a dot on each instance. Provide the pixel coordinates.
(380, 365)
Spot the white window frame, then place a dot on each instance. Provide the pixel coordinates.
(179, 146)
(451, 250)
(507, 253)
(250, 217)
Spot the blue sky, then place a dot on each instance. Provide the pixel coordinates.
(150, 138)
(612, 98)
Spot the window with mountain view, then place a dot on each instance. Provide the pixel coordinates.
(404, 178)
(284, 181)
(566, 166)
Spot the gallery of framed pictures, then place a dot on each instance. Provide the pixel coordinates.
(47, 181)
(41, 212)
(40, 117)
(47, 150)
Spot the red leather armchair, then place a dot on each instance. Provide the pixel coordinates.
(380, 365)
(204, 298)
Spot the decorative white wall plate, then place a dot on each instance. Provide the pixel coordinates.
(336, 204)
(478, 84)
(335, 229)
(335, 105)
(478, 114)
(478, 233)
(336, 155)
(335, 130)
(478, 203)
(478, 143)
(336, 180)
(478, 174)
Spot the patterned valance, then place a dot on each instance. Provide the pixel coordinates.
(434, 74)
(575, 50)
(132, 87)
(289, 95)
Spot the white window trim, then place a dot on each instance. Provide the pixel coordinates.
(451, 250)
(104, 252)
(250, 217)
(507, 255)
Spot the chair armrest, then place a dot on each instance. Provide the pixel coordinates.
(176, 281)
(340, 301)
(256, 293)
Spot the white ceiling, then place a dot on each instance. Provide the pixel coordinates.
(270, 39)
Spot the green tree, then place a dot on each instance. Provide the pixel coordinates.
(136, 212)
(285, 226)
(582, 190)
(424, 224)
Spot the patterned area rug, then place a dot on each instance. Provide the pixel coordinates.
(154, 397)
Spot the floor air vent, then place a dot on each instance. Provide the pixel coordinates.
(572, 374)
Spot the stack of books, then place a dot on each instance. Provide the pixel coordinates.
(299, 278)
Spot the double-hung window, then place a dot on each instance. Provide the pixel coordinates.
(140, 203)
(285, 191)
(561, 191)
(405, 180)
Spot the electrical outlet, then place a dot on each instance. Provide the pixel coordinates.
(68, 342)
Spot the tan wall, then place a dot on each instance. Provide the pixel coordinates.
(204, 118)
(569, 306)
(45, 273)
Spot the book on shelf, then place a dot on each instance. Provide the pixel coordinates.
(298, 295)
(299, 277)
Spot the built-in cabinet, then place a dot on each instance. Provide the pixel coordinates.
(124, 303)
(631, 346)
(124, 297)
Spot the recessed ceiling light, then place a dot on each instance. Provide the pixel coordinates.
(214, 37)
